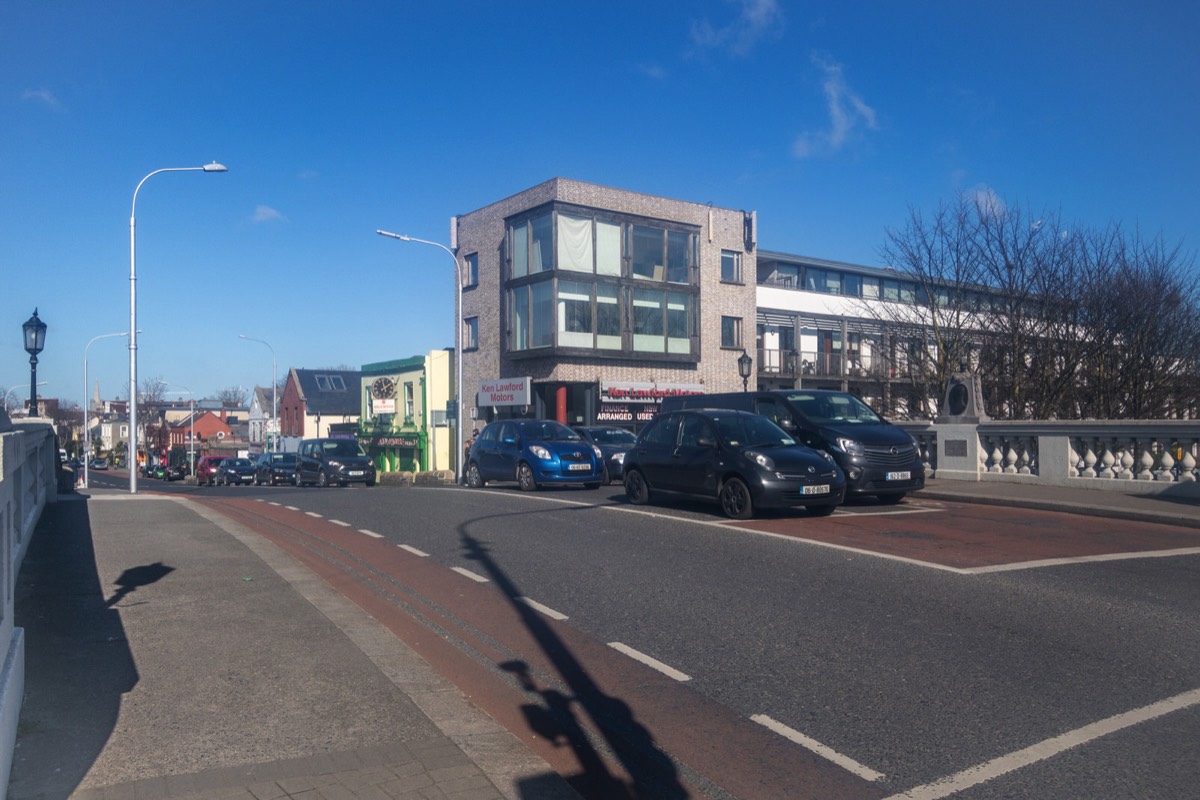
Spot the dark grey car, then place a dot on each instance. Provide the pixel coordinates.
(742, 460)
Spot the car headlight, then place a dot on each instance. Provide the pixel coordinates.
(599, 455)
(828, 457)
(762, 459)
(334, 463)
(619, 458)
(850, 446)
(540, 452)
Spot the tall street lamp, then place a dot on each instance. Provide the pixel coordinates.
(458, 467)
(87, 429)
(15, 389)
(745, 364)
(274, 383)
(213, 167)
(35, 339)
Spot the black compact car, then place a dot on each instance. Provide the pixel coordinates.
(333, 462)
(741, 459)
(235, 471)
(878, 458)
(614, 443)
(274, 468)
(175, 472)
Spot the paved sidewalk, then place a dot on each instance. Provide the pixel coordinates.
(1181, 507)
(171, 653)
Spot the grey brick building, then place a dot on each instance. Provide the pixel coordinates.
(585, 303)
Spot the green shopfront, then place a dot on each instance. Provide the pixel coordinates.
(392, 430)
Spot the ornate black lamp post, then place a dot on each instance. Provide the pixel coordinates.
(35, 340)
(745, 364)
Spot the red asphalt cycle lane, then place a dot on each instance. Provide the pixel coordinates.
(971, 536)
(611, 726)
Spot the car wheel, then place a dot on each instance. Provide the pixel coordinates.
(636, 488)
(474, 479)
(735, 499)
(322, 479)
(525, 477)
(821, 511)
(891, 499)
(296, 479)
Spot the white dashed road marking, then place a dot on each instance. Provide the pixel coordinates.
(469, 574)
(653, 663)
(547, 610)
(414, 550)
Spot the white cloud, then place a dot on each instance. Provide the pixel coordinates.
(267, 214)
(755, 19)
(847, 113)
(653, 71)
(986, 200)
(41, 96)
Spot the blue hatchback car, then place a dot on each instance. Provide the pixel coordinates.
(534, 453)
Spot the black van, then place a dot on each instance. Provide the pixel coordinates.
(878, 458)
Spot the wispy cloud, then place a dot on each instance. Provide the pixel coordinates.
(653, 71)
(848, 112)
(44, 96)
(755, 20)
(267, 214)
(987, 201)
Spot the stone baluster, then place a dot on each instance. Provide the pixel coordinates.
(1146, 460)
(1076, 467)
(1187, 466)
(1166, 463)
(1089, 461)
(1107, 459)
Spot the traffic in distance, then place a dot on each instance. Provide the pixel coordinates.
(745, 451)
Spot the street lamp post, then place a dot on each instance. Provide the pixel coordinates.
(16, 389)
(87, 430)
(274, 384)
(213, 167)
(35, 339)
(745, 364)
(458, 411)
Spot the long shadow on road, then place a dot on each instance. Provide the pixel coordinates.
(77, 661)
(559, 716)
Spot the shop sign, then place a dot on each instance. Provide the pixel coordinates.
(644, 392)
(504, 392)
(395, 441)
(623, 412)
(380, 405)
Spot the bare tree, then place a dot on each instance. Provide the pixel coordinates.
(232, 397)
(941, 327)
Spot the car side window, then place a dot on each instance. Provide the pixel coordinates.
(508, 432)
(776, 412)
(664, 431)
(693, 430)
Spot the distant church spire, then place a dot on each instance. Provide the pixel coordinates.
(97, 403)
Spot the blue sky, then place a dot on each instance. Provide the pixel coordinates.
(831, 120)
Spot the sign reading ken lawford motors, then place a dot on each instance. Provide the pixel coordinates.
(504, 392)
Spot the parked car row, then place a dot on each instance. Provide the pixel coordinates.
(321, 462)
(747, 451)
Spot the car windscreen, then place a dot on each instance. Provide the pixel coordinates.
(283, 458)
(343, 447)
(547, 431)
(750, 430)
(238, 462)
(824, 409)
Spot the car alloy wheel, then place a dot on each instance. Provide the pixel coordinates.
(474, 479)
(322, 479)
(525, 477)
(735, 499)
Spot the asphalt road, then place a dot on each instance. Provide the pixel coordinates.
(703, 657)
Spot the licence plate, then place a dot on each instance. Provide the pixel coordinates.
(354, 473)
(821, 489)
(579, 467)
(899, 476)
